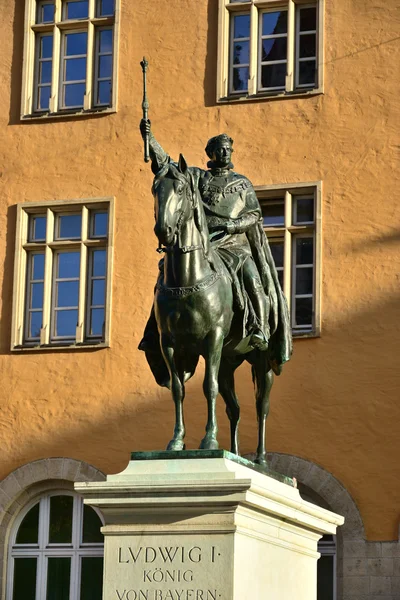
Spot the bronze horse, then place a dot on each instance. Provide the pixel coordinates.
(193, 307)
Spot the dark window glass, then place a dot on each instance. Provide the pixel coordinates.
(304, 251)
(74, 95)
(308, 45)
(273, 76)
(305, 210)
(304, 280)
(45, 13)
(69, 226)
(280, 277)
(105, 65)
(66, 322)
(77, 10)
(99, 263)
(91, 526)
(60, 529)
(307, 70)
(45, 71)
(44, 97)
(240, 78)
(274, 22)
(35, 324)
(76, 43)
(105, 8)
(67, 293)
(38, 266)
(308, 19)
(104, 92)
(274, 49)
(46, 46)
(58, 578)
(28, 531)
(100, 224)
(325, 574)
(303, 311)
(98, 292)
(273, 214)
(277, 253)
(38, 229)
(36, 295)
(24, 579)
(96, 321)
(92, 578)
(241, 53)
(105, 44)
(68, 265)
(75, 69)
(241, 26)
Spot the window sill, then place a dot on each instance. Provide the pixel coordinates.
(306, 335)
(61, 346)
(233, 99)
(62, 114)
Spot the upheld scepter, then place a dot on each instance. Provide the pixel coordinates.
(145, 107)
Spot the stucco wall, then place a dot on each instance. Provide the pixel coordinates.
(337, 401)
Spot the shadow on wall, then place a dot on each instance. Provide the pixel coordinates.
(16, 63)
(210, 68)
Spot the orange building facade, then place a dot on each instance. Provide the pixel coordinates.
(309, 93)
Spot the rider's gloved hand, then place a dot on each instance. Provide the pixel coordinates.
(145, 127)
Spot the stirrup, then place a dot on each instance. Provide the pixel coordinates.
(259, 341)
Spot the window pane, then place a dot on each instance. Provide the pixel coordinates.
(60, 530)
(100, 224)
(280, 277)
(44, 97)
(38, 229)
(307, 72)
(104, 92)
(75, 69)
(240, 78)
(91, 533)
(28, 531)
(308, 19)
(273, 214)
(304, 251)
(105, 8)
(303, 311)
(98, 292)
(67, 293)
(274, 49)
(273, 75)
(105, 44)
(45, 71)
(77, 10)
(96, 321)
(68, 265)
(304, 280)
(76, 43)
(308, 45)
(99, 263)
(73, 94)
(274, 22)
(277, 253)
(58, 578)
(305, 210)
(36, 295)
(46, 46)
(241, 53)
(241, 26)
(37, 266)
(92, 578)
(105, 65)
(325, 575)
(35, 324)
(45, 13)
(69, 226)
(24, 579)
(66, 322)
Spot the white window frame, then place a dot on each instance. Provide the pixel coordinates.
(255, 8)
(44, 550)
(58, 28)
(50, 247)
(288, 233)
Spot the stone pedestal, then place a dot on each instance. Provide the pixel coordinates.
(206, 527)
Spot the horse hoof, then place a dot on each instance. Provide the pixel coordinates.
(209, 444)
(176, 445)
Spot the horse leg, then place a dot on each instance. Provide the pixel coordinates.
(263, 378)
(178, 394)
(227, 390)
(212, 356)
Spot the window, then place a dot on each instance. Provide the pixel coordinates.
(268, 47)
(70, 57)
(292, 222)
(62, 282)
(56, 550)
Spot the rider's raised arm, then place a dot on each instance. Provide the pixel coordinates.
(158, 156)
(250, 215)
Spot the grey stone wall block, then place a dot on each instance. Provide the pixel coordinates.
(355, 586)
(54, 468)
(396, 567)
(70, 469)
(380, 585)
(380, 567)
(391, 549)
(354, 566)
(395, 582)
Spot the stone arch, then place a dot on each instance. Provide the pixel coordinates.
(30, 480)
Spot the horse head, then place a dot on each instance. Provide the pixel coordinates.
(173, 190)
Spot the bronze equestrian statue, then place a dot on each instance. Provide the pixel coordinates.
(217, 294)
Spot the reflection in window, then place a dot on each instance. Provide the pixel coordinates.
(56, 551)
(240, 52)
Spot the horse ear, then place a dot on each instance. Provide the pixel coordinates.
(182, 164)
